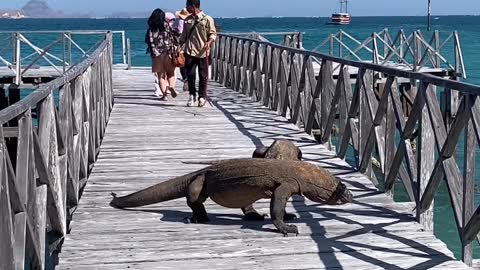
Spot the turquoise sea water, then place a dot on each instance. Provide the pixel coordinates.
(315, 32)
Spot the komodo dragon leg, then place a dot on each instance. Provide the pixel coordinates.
(252, 214)
(262, 152)
(196, 196)
(277, 209)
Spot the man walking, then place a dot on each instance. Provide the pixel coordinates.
(198, 36)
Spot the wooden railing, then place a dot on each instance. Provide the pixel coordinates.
(25, 51)
(415, 51)
(366, 115)
(47, 148)
(289, 39)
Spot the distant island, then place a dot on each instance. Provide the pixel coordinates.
(39, 9)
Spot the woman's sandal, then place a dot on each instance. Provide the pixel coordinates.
(173, 92)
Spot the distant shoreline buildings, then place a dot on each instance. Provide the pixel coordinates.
(12, 15)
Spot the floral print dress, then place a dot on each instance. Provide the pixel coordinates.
(160, 42)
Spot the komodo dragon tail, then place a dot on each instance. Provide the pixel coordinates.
(169, 190)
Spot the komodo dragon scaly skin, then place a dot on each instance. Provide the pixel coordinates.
(279, 149)
(238, 183)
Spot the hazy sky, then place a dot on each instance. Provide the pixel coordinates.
(249, 8)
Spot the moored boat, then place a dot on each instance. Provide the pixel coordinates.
(342, 17)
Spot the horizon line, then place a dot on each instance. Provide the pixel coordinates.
(256, 17)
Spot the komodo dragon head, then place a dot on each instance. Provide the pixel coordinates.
(318, 191)
(323, 187)
(280, 149)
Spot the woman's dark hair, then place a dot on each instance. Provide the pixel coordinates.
(194, 3)
(156, 22)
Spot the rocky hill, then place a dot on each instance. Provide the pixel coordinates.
(40, 9)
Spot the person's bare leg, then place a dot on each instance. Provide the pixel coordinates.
(170, 68)
(163, 83)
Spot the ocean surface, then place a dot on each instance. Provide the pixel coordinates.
(315, 31)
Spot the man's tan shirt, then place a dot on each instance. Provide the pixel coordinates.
(203, 31)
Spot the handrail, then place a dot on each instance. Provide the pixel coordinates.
(21, 50)
(368, 106)
(414, 46)
(441, 82)
(47, 149)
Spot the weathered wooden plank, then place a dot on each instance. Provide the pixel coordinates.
(339, 89)
(40, 220)
(47, 147)
(365, 124)
(391, 149)
(315, 112)
(36, 209)
(275, 80)
(445, 165)
(377, 113)
(468, 191)
(22, 180)
(304, 90)
(7, 255)
(284, 100)
(267, 73)
(328, 89)
(407, 129)
(351, 131)
(426, 160)
(296, 97)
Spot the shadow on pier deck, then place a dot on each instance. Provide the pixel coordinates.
(146, 141)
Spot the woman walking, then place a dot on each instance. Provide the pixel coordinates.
(181, 17)
(161, 41)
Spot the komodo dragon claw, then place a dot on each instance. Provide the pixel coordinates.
(254, 216)
(289, 229)
(193, 220)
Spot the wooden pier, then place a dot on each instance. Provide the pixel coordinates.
(371, 233)
(108, 133)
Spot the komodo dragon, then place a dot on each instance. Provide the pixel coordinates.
(279, 149)
(238, 183)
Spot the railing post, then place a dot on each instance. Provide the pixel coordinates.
(437, 49)
(402, 43)
(69, 34)
(386, 50)
(468, 185)
(331, 44)
(426, 160)
(417, 51)
(340, 47)
(129, 56)
(456, 52)
(124, 51)
(14, 47)
(300, 40)
(18, 64)
(64, 64)
(375, 57)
